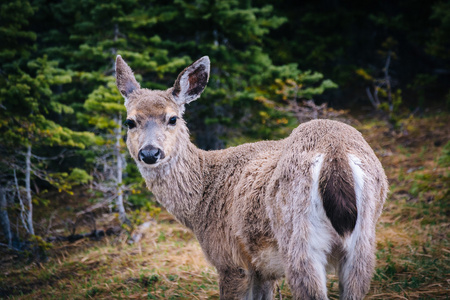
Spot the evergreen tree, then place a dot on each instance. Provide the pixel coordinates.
(92, 39)
(29, 107)
(339, 38)
(108, 108)
(17, 43)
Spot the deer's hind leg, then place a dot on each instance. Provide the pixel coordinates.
(304, 234)
(358, 259)
(355, 270)
(306, 264)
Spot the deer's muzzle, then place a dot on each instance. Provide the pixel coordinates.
(150, 154)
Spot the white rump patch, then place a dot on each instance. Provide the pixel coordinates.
(358, 179)
(316, 167)
(320, 236)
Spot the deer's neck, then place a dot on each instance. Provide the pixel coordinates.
(178, 184)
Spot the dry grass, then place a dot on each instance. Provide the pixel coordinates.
(168, 263)
(412, 240)
(413, 233)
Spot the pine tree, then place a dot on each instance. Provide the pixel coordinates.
(29, 106)
(159, 39)
(28, 103)
(108, 108)
(16, 42)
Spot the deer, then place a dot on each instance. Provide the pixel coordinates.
(262, 211)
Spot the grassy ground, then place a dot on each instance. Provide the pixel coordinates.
(412, 239)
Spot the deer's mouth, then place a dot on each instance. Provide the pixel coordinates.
(156, 164)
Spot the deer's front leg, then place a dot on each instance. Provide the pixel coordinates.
(233, 283)
(241, 284)
(260, 289)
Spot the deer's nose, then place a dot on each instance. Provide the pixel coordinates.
(150, 154)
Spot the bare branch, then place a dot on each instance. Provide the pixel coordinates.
(49, 226)
(49, 158)
(9, 247)
(22, 207)
(375, 103)
(28, 190)
(96, 206)
(388, 81)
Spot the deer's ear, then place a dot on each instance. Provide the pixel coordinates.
(191, 82)
(125, 81)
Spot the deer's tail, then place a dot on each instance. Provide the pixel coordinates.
(337, 190)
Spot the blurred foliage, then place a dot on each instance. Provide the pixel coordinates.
(339, 37)
(444, 159)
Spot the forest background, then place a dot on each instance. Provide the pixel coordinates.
(274, 64)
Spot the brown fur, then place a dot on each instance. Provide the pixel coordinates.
(125, 78)
(269, 209)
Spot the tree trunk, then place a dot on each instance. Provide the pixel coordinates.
(29, 214)
(119, 200)
(4, 220)
(23, 211)
(119, 158)
(388, 82)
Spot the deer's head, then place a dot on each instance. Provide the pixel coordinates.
(154, 117)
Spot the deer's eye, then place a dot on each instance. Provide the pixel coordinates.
(130, 123)
(173, 120)
(241, 272)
